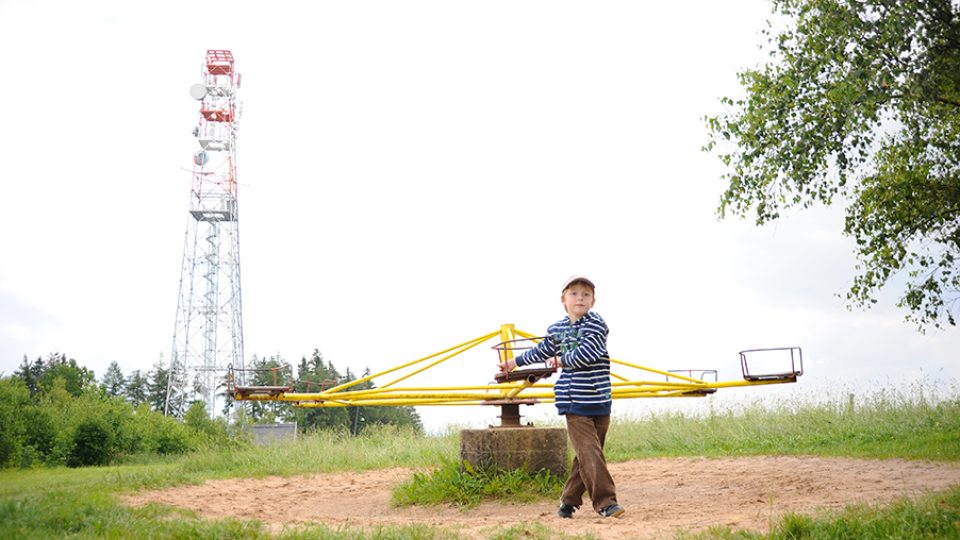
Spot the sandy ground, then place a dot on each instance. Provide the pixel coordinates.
(661, 496)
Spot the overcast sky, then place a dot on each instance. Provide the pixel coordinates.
(412, 175)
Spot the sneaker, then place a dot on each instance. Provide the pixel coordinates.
(614, 510)
(566, 510)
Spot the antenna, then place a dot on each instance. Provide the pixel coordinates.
(198, 92)
(208, 334)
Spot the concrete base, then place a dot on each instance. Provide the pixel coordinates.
(507, 448)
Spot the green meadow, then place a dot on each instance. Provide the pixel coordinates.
(61, 502)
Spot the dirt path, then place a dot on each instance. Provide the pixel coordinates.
(660, 495)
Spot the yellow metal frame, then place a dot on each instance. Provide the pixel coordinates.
(392, 394)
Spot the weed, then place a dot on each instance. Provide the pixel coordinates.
(465, 486)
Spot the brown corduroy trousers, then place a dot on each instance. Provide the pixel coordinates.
(589, 470)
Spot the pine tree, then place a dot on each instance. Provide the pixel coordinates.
(271, 371)
(368, 416)
(113, 382)
(31, 373)
(157, 386)
(316, 375)
(136, 388)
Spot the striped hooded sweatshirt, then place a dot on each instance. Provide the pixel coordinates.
(584, 385)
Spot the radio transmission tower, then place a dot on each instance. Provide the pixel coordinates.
(208, 336)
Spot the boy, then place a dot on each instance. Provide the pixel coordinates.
(578, 344)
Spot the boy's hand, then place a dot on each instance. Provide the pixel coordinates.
(553, 362)
(508, 365)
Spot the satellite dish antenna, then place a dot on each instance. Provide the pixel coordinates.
(198, 91)
(200, 158)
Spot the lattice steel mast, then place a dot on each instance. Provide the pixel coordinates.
(208, 336)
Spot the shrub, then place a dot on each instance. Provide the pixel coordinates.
(208, 429)
(7, 447)
(14, 398)
(92, 444)
(172, 437)
(30, 457)
(40, 435)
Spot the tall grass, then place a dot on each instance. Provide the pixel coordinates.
(377, 448)
(83, 503)
(326, 451)
(882, 425)
(464, 486)
(931, 517)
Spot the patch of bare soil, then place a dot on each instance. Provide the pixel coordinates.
(661, 496)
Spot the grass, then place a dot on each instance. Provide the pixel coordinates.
(886, 425)
(325, 452)
(535, 531)
(467, 487)
(83, 503)
(931, 517)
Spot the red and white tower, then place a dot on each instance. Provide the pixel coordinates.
(208, 336)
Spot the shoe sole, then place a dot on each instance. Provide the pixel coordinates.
(618, 513)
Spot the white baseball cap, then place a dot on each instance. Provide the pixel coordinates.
(577, 279)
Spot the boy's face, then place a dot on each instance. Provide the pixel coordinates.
(577, 300)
